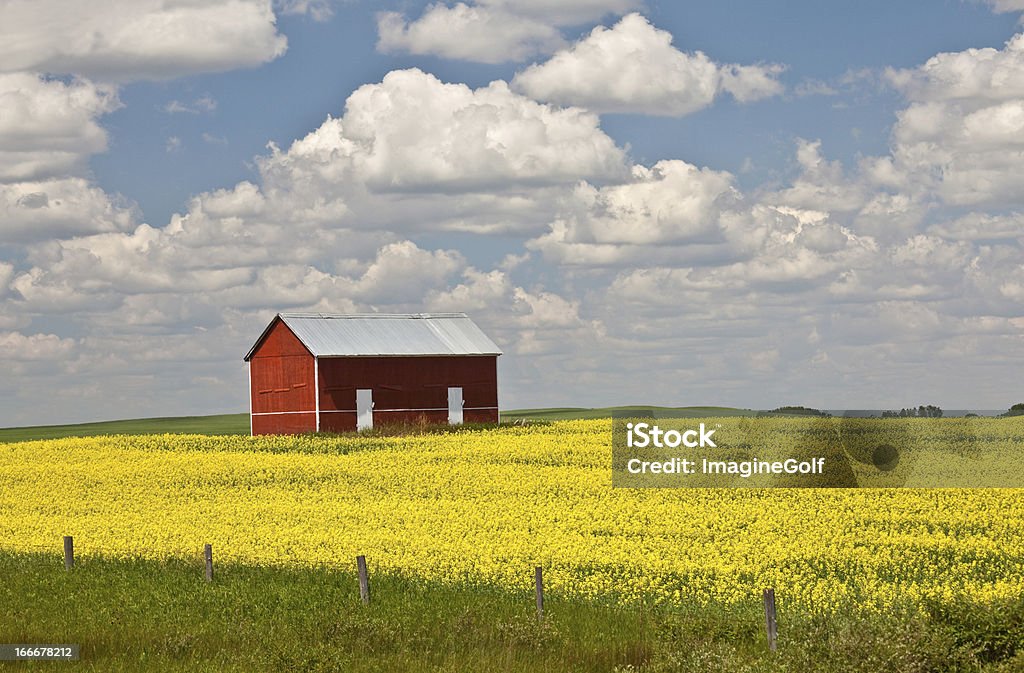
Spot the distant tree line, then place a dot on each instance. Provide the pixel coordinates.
(798, 411)
(923, 411)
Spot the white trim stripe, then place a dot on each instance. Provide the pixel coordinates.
(352, 411)
(380, 411)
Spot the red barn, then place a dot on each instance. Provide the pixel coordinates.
(316, 371)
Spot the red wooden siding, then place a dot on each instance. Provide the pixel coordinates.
(407, 389)
(346, 421)
(282, 380)
(284, 424)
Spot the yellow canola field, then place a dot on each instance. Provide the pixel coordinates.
(487, 506)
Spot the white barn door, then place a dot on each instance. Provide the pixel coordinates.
(455, 406)
(364, 409)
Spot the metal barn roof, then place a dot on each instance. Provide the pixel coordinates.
(369, 334)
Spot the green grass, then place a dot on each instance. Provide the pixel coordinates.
(573, 413)
(141, 615)
(238, 424)
(225, 424)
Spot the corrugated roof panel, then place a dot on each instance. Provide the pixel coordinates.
(327, 335)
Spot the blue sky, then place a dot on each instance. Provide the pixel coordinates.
(739, 203)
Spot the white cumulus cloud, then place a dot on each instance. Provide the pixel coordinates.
(120, 40)
(973, 75)
(962, 136)
(48, 127)
(565, 12)
(15, 346)
(48, 131)
(1005, 6)
(319, 10)
(60, 208)
(671, 211)
(467, 32)
(412, 134)
(633, 67)
(490, 31)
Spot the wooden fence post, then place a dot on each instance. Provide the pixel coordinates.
(364, 579)
(208, 555)
(771, 627)
(539, 582)
(69, 552)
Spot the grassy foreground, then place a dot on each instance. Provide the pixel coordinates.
(135, 615)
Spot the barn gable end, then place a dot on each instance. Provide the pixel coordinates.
(282, 383)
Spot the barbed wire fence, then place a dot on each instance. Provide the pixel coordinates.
(204, 555)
